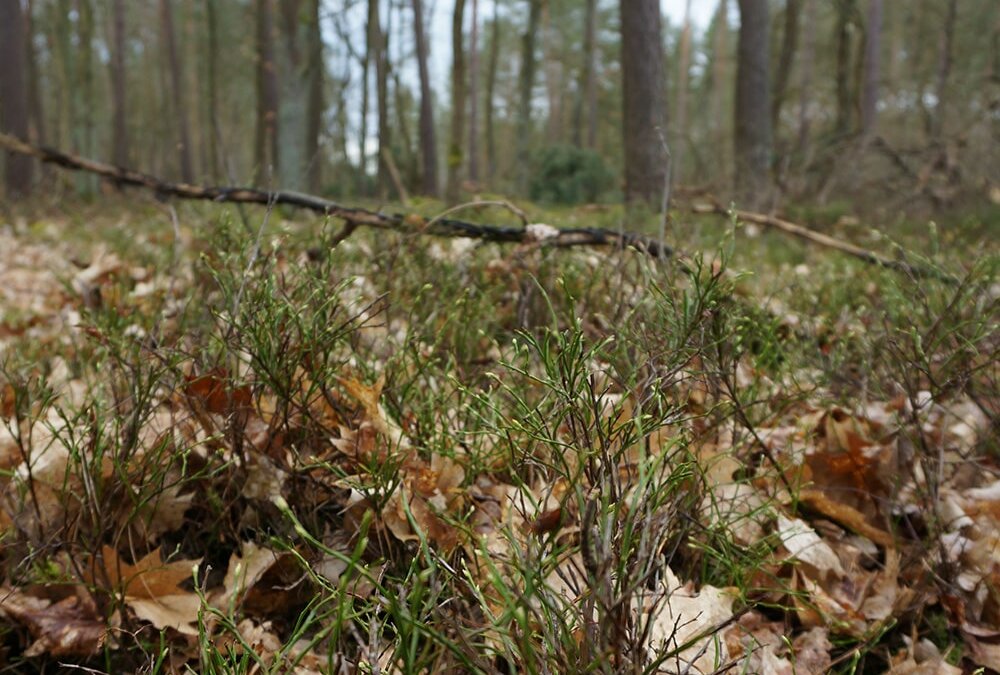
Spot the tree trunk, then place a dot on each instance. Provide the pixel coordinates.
(458, 103)
(491, 82)
(753, 114)
(527, 85)
(474, 94)
(806, 75)
(315, 72)
(789, 43)
(14, 95)
(683, 78)
(643, 99)
(266, 151)
(586, 99)
(211, 93)
(84, 72)
(720, 73)
(942, 92)
(845, 11)
(873, 48)
(553, 76)
(119, 116)
(379, 48)
(36, 112)
(428, 134)
(178, 94)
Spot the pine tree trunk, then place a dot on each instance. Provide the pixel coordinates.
(683, 78)
(845, 10)
(314, 75)
(491, 81)
(753, 115)
(458, 103)
(873, 48)
(266, 150)
(946, 57)
(428, 134)
(720, 74)
(806, 75)
(212, 87)
(644, 100)
(474, 94)
(14, 95)
(585, 113)
(119, 110)
(527, 86)
(553, 77)
(378, 46)
(178, 93)
(789, 44)
(36, 111)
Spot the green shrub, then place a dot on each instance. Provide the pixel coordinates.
(565, 174)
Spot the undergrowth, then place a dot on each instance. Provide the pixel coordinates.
(462, 456)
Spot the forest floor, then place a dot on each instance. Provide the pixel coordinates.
(226, 448)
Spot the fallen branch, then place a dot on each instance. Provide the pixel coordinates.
(354, 217)
(920, 271)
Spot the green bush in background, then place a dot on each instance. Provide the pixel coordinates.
(564, 174)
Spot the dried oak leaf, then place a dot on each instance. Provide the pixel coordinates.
(69, 627)
(152, 589)
(213, 391)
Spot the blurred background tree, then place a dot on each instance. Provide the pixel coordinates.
(893, 106)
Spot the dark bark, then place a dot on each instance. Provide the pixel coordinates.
(806, 76)
(119, 114)
(683, 81)
(585, 114)
(491, 82)
(212, 89)
(315, 72)
(458, 103)
(753, 138)
(36, 111)
(365, 105)
(845, 14)
(872, 70)
(720, 73)
(266, 150)
(379, 48)
(428, 134)
(527, 86)
(178, 93)
(553, 77)
(83, 60)
(945, 59)
(789, 44)
(643, 99)
(474, 94)
(14, 95)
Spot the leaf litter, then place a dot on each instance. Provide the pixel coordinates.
(851, 552)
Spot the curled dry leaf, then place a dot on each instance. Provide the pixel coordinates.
(152, 589)
(679, 614)
(245, 570)
(804, 545)
(68, 627)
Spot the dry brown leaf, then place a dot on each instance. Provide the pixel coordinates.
(804, 545)
(215, 394)
(683, 614)
(244, 571)
(152, 589)
(847, 516)
(69, 627)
